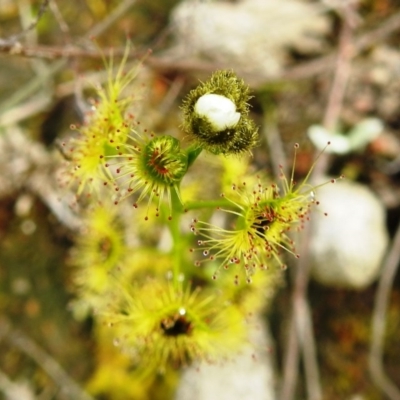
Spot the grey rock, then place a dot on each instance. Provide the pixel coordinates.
(252, 36)
(249, 375)
(347, 246)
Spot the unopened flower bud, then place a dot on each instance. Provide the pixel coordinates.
(216, 115)
(218, 110)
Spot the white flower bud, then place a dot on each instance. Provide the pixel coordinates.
(218, 110)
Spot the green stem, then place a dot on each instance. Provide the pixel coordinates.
(174, 226)
(192, 153)
(199, 204)
(176, 202)
(177, 210)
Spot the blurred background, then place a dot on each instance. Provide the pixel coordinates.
(322, 70)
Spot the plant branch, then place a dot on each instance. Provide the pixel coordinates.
(44, 360)
(32, 86)
(379, 321)
(302, 325)
(12, 40)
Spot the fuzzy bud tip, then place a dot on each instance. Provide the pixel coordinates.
(218, 110)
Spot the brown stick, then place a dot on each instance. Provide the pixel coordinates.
(302, 324)
(379, 321)
(44, 360)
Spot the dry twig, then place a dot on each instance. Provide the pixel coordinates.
(301, 334)
(379, 321)
(44, 360)
(12, 40)
(37, 82)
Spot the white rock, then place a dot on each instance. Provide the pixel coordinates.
(248, 376)
(347, 246)
(251, 36)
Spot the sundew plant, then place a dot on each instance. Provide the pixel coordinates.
(170, 269)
